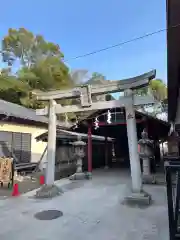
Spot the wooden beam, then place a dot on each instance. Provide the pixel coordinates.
(97, 89)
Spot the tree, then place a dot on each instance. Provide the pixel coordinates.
(141, 91)
(79, 76)
(41, 62)
(41, 67)
(82, 77)
(11, 89)
(97, 78)
(47, 74)
(26, 47)
(156, 87)
(158, 90)
(5, 72)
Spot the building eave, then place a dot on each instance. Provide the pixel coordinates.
(62, 134)
(173, 56)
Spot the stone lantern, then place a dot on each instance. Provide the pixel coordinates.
(146, 153)
(79, 148)
(173, 144)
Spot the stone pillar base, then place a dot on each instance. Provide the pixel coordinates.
(137, 199)
(148, 179)
(89, 175)
(48, 191)
(78, 176)
(81, 176)
(106, 167)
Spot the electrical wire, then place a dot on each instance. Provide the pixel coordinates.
(122, 43)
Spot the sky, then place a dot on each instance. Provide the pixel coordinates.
(82, 26)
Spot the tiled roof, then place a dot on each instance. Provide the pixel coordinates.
(17, 111)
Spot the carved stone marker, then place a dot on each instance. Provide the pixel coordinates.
(6, 171)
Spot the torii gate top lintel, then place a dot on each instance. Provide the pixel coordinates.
(97, 89)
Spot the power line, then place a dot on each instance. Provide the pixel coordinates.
(122, 43)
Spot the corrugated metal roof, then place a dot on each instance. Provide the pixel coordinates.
(14, 110)
(65, 134)
(84, 135)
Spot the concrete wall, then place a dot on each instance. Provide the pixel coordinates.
(37, 148)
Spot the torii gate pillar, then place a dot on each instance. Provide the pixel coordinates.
(50, 189)
(133, 144)
(51, 150)
(137, 195)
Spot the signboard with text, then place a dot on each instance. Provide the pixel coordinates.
(6, 170)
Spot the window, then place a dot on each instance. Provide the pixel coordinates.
(16, 145)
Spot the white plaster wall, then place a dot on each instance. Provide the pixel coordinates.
(37, 148)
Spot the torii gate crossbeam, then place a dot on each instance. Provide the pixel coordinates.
(97, 89)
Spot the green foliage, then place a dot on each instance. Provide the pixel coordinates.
(79, 76)
(156, 87)
(96, 78)
(142, 91)
(41, 67)
(11, 89)
(26, 47)
(47, 74)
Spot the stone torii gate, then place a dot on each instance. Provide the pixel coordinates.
(85, 93)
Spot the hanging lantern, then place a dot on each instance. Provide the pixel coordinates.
(113, 150)
(109, 117)
(96, 123)
(114, 159)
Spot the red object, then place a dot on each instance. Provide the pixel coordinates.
(106, 152)
(139, 148)
(89, 149)
(15, 192)
(41, 180)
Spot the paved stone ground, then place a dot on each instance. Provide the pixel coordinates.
(92, 210)
(25, 185)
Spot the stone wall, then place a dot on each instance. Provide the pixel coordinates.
(65, 162)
